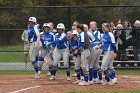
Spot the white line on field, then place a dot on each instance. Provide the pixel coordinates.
(21, 80)
(17, 91)
(129, 77)
(135, 81)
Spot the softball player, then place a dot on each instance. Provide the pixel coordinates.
(73, 41)
(109, 50)
(95, 54)
(84, 57)
(24, 38)
(45, 54)
(61, 50)
(34, 39)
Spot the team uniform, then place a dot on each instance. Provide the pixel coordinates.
(108, 47)
(33, 31)
(61, 50)
(73, 47)
(46, 49)
(84, 57)
(95, 69)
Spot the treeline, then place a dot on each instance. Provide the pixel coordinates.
(14, 14)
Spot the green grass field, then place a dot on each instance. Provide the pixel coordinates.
(11, 56)
(107, 91)
(14, 72)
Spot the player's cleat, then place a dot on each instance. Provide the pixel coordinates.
(68, 78)
(135, 65)
(126, 65)
(98, 81)
(105, 83)
(52, 77)
(82, 78)
(39, 72)
(77, 81)
(48, 74)
(74, 75)
(83, 83)
(36, 76)
(94, 80)
(112, 82)
(90, 82)
(115, 80)
(119, 65)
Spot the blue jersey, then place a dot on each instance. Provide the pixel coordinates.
(60, 41)
(82, 41)
(73, 45)
(45, 38)
(97, 37)
(108, 42)
(33, 31)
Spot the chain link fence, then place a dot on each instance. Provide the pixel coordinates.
(13, 20)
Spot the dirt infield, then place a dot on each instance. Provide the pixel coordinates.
(27, 84)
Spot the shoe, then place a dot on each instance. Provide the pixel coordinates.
(36, 76)
(105, 82)
(83, 83)
(98, 81)
(74, 75)
(68, 78)
(119, 65)
(82, 78)
(39, 72)
(77, 81)
(90, 82)
(52, 77)
(135, 65)
(115, 80)
(126, 65)
(94, 79)
(48, 74)
(110, 83)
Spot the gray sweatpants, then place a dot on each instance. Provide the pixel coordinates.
(107, 61)
(83, 61)
(95, 58)
(58, 53)
(33, 52)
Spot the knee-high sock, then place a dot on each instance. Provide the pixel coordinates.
(90, 74)
(108, 73)
(94, 73)
(34, 63)
(67, 71)
(78, 74)
(113, 72)
(86, 77)
(82, 74)
(99, 72)
(107, 78)
(40, 62)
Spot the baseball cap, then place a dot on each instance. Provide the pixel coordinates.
(46, 24)
(32, 19)
(75, 32)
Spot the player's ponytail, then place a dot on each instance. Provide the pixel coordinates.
(87, 37)
(80, 26)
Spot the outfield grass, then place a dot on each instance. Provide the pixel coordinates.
(18, 72)
(128, 71)
(107, 91)
(11, 56)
